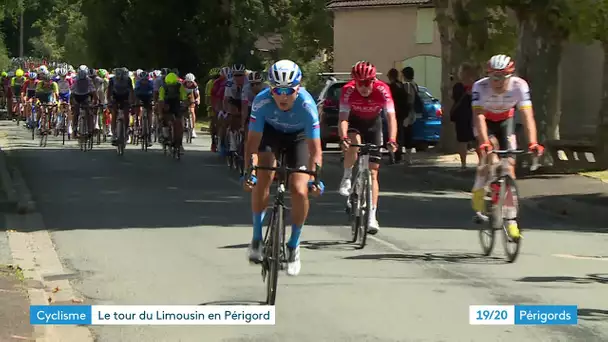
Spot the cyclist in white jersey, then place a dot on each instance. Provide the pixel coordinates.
(253, 87)
(494, 99)
(232, 94)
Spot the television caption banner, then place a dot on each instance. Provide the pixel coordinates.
(151, 315)
(523, 314)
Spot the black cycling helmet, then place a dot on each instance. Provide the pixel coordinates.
(164, 71)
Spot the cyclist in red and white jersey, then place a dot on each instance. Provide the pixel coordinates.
(494, 100)
(361, 104)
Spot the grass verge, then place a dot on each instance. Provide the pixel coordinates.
(602, 175)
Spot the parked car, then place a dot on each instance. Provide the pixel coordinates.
(427, 127)
(426, 130)
(328, 104)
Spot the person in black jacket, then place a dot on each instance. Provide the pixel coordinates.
(414, 105)
(461, 113)
(401, 110)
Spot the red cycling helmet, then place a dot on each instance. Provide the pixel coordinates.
(363, 71)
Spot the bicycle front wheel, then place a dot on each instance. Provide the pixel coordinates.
(365, 204)
(509, 199)
(272, 254)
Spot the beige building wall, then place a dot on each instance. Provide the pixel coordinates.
(582, 72)
(385, 36)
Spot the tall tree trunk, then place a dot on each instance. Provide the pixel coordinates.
(453, 53)
(539, 53)
(461, 26)
(602, 127)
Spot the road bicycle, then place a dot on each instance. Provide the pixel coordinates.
(85, 126)
(502, 204)
(144, 130)
(359, 203)
(121, 128)
(274, 255)
(44, 127)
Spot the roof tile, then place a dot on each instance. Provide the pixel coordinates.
(335, 4)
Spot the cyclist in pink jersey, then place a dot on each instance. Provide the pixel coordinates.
(362, 102)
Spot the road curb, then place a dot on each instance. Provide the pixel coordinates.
(558, 207)
(33, 251)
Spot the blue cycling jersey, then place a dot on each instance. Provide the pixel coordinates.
(303, 116)
(144, 88)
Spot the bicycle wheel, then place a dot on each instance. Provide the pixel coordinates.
(144, 131)
(512, 245)
(365, 205)
(487, 232)
(42, 132)
(272, 254)
(353, 218)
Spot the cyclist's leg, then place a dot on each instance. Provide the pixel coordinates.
(374, 135)
(297, 157)
(192, 113)
(178, 122)
(507, 141)
(260, 194)
(355, 126)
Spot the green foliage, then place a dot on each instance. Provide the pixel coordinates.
(154, 34)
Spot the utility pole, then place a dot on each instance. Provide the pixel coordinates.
(21, 29)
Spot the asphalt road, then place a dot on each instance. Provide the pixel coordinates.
(145, 229)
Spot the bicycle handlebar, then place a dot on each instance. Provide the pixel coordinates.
(288, 170)
(366, 148)
(506, 153)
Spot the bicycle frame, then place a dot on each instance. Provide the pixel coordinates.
(274, 239)
(360, 199)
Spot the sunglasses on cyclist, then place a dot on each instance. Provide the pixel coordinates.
(497, 76)
(283, 91)
(364, 83)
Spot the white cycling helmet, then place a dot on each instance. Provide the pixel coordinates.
(157, 73)
(225, 72)
(189, 77)
(62, 72)
(138, 72)
(285, 74)
(83, 67)
(501, 63)
(42, 69)
(254, 77)
(238, 69)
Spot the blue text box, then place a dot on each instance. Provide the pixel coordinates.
(546, 314)
(60, 314)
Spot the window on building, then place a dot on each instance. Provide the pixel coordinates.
(425, 25)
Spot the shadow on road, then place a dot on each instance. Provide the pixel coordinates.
(594, 315)
(600, 278)
(335, 245)
(465, 258)
(234, 302)
(100, 190)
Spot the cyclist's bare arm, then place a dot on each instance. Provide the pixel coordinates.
(391, 119)
(479, 120)
(343, 124)
(316, 154)
(527, 114)
(251, 148)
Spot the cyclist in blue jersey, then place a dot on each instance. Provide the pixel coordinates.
(283, 117)
(144, 92)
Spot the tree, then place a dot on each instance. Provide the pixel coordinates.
(470, 31)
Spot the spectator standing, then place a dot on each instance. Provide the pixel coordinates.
(461, 113)
(414, 105)
(401, 110)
